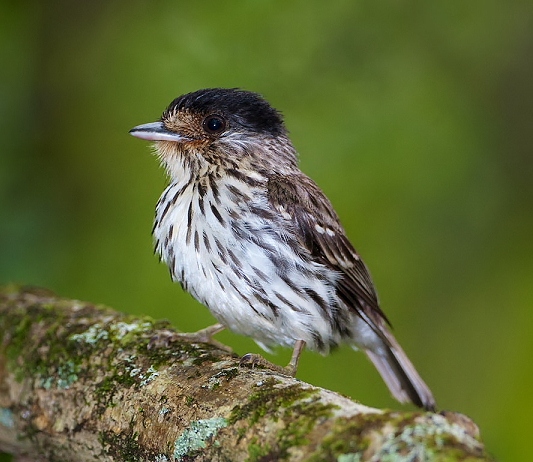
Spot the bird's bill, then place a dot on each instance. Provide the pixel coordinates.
(156, 131)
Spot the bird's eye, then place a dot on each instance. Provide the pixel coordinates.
(214, 124)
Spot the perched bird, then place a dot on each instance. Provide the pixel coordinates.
(256, 241)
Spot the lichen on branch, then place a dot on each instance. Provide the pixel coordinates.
(84, 382)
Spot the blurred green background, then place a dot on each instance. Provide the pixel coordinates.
(416, 118)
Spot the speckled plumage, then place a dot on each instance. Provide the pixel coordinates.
(257, 242)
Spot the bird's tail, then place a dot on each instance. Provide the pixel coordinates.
(400, 375)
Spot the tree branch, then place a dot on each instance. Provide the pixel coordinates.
(83, 382)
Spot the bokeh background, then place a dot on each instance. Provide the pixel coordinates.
(416, 118)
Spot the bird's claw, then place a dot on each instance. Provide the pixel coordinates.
(254, 360)
(165, 338)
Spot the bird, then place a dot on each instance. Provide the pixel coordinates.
(256, 241)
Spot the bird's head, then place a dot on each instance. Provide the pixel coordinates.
(219, 127)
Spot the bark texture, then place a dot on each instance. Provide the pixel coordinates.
(83, 382)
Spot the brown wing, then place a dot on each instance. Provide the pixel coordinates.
(299, 199)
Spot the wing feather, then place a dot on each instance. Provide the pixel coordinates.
(302, 202)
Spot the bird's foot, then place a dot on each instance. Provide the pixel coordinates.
(165, 338)
(253, 360)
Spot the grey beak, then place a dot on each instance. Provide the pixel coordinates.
(156, 131)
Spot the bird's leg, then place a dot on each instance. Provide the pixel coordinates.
(253, 360)
(295, 358)
(203, 335)
(165, 337)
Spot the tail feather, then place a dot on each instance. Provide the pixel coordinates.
(400, 375)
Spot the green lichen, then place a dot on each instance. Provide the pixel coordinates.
(401, 437)
(257, 451)
(50, 361)
(124, 447)
(123, 373)
(65, 376)
(150, 375)
(435, 438)
(197, 436)
(349, 458)
(268, 397)
(216, 380)
(349, 437)
(298, 407)
(19, 329)
(6, 418)
(91, 336)
(57, 347)
(299, 420)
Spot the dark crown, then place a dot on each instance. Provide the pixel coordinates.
(242, 108)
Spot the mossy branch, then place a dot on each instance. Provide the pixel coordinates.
(83, 382)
